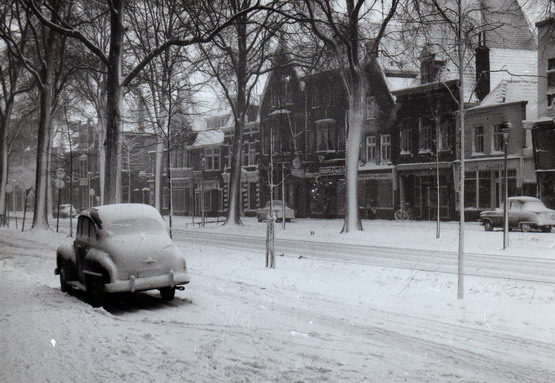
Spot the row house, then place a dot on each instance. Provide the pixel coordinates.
(543, 129)
(427, 139)
(303, 128)
(200, 167)
(514, 103)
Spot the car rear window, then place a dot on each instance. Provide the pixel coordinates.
(144, 225)
(534, 206)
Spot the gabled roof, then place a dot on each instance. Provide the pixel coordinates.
(208, 138)
(506, 25)
(514, 91)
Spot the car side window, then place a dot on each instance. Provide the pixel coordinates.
(84, 228)
(92, 230)
(515, 206)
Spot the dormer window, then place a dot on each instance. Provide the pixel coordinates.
(430, 68)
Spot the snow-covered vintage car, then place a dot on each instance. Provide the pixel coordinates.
(277, 208)
(121, 248)
(525, 213)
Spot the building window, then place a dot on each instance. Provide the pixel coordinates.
(470, 193)
(327, 136)
(371, 149)
(385, 148)
(212, 156)
(249, 154)
(478, 139)
(406, 140)
(430, 69)
(498, 145)
(371, 107)
(550, 74)
(445, 138)
(426, 136)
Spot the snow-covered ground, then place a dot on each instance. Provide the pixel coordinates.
(308, 320)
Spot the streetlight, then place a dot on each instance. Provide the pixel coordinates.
(505, 129)
(203, 168)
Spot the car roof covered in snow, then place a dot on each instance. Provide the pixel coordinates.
(524, 199)
(106, 214)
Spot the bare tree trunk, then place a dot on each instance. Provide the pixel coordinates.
(42, 180)
(4, 126)
(352, 152)
(240, 110)
(234, 200)
(113, 144)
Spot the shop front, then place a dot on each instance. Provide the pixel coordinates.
(418, 190)
(376, 192)
(327, 192)
(484, 182)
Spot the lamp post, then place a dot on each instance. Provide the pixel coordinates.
(506, 131)
(203, 168)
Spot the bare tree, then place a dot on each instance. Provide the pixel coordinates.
(338, 26)
(43, 59)
(236, 58)
(13, 83)
(199, 22)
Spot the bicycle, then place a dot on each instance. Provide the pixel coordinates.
(404, 213)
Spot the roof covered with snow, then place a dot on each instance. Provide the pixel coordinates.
(209, 138)
(514, 91)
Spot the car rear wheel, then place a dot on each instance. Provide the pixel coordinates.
(64, 273)
(525, 227)
(546, 229)
(259, 218)
(95, 290)
(488, 226)
(167, 293)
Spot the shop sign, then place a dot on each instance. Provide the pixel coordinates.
(375, 176)
(486, 165)
(332, 171)
(210, 185)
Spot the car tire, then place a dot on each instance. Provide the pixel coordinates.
(167, 293)
(488, 226)
(95, 290)
(64, 273)
(259, 218)
(525, 227)
(546, 229)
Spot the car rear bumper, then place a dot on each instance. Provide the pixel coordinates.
(140, 284)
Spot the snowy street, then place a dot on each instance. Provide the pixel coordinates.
(312, 319)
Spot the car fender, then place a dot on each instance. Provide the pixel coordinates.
(65, 252)
(98, 261)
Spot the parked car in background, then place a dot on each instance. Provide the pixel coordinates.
(277, 208)
(65, 211)
(525, 213)
(121, 248)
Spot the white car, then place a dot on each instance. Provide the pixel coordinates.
(277, 208)
(65, 210)
(121, 248)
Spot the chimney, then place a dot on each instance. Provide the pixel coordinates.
(482, 67)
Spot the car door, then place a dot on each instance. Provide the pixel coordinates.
(515, 213)
(81, 244)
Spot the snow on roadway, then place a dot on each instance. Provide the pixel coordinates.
(306, 321)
